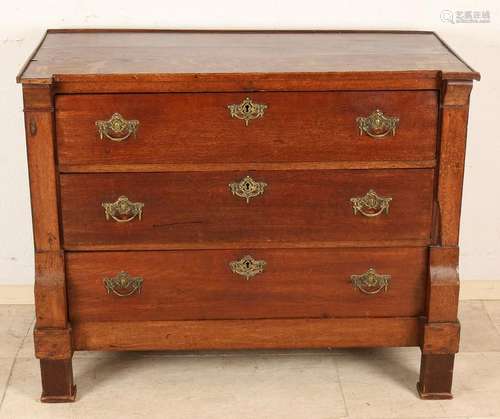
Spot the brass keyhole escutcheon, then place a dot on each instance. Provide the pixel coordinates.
(247, 110)
(247, 266)
(247, 188)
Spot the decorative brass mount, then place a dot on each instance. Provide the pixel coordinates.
(247, 266)
(118, 126)
(122, 210)
(377, 125)
(371, 204)
(247, 110)
(247, 188)
(371, 282)
(123, 284)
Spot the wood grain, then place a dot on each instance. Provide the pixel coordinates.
(50, 290)
(198, 128)
(52, 335)
(441, 338)
(53, 343)
(454, 117)
(308, 150)
(228, 166)
(247, 334)
(105, 52)
(40, 144)
(436, 376)
(192, 285)
(182, 209)
(244, 82)
(444, 285)
(57, 381)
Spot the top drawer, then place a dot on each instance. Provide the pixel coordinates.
(291, 127)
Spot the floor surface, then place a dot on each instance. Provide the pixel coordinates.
(369, 383)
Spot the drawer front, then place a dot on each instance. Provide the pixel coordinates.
(199, 128)
(293, 283)
(200, 210)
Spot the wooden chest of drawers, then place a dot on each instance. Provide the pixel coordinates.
(229, 190)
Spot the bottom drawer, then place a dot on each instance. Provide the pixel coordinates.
(222, 284)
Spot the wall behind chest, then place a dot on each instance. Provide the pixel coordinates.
(23, 24)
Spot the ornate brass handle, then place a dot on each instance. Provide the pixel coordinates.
(118, 126)
(247, 188)
(247, 266)
(247, 110)
(371, 282)
(123, 284)
(122, 210)
(371, 204)
(377, 125)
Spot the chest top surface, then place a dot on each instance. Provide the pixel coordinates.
(67, 53)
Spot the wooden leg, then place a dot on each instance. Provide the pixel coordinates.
(57, 381)
(436, 376)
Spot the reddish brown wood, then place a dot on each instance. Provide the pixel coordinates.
(436, 376)
(52, 334)
(57, 381)
(441, 338)
(182, 209)
(192, 52)
(200, 285)
(247, 334)
(227, 166)
(444, 285)
(296, 127)
(307, 148)
(454, 114)
(42, 167)
(53, 343)
(50, 290)
(245, 82)
(256, 245)
(39, 98)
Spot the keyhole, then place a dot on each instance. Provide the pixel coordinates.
(247, 108)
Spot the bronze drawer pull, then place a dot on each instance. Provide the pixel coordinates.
(377, 125)
(123, 285)
(371, 282)
(247, 188)
(122, 210)
(117, 125)
(371, 204)
(247, 110)
(247, 266)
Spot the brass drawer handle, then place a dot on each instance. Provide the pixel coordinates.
(247, 266)
(247, 188)
(118, 126)
(371, 204)
(247, 110)
(123, 285)
(371, 282)
(377, 125)
(122, 210)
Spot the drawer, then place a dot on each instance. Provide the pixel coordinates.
(198, 128)
(200, 210)
(292, 283)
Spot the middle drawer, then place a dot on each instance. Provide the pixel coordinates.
(217, 209)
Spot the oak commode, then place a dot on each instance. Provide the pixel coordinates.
(228, 190)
